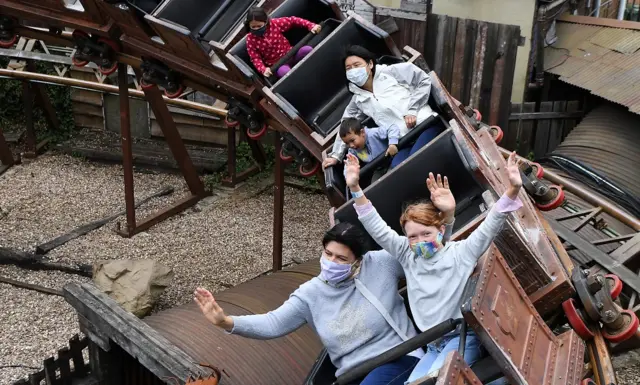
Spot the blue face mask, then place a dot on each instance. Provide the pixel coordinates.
(358, 76)
(427, 249)
(333, 272)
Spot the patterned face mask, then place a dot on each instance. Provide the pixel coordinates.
(427, 249)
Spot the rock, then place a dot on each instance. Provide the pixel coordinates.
(136, 285)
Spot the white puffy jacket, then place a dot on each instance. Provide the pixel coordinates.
(398, 90)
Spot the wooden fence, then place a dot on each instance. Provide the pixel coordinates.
(474, 59)
(69, 366)
(535, 132)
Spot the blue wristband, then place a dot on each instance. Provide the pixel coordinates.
(357, 194)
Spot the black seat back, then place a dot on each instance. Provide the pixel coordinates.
(191, 14)
(406, 183)
(144, 6)
(219, 26)
(315, 11)
(320, 77)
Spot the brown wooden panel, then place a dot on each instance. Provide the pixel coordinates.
(91, 11)
(542, 132)
(557, 127)
(511, 329)
(126, 20)
(525, 138)
(179, 40)
(512, 132)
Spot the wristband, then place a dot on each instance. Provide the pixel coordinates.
(357, 194)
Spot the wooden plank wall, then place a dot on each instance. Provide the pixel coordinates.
(87, 105)
(476, 62)
(474, 59)
(541, 130)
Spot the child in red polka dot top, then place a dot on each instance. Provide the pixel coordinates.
(266, 43)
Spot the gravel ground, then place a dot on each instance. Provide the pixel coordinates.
(226, 239)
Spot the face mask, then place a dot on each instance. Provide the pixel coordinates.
(260, 31)
(334, 272)
(427, 249)
(358, 76)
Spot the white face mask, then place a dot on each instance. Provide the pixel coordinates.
(358, 76)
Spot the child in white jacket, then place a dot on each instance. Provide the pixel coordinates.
(436, 274)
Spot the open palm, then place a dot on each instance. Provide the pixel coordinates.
(441, 195)
(209, 306)
(352, 174)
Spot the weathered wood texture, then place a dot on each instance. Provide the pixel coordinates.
(475, 60)
(535, 133)
(104, 320)
(68, 368)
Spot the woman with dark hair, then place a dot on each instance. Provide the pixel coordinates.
(396, 94)
(344, 305)
(266, 43)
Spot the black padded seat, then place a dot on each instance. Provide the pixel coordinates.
(316, 89)
(317, 11)
(206, 19)
(406, 183)
(144, 6)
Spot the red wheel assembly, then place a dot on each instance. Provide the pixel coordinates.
(477, 115)
(146, 86)
(575, 319)
(173, 95)
(78, 63)
(309, 170)
(555, 202)
(588, 381)
(230, 123)
(114, 46)
(615, 284)
(498, 133)
(537, 169)
(255, 135)
(9, 43)
(284, 156)
(627, 332)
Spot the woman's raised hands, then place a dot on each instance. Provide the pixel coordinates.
(211, 309)
(515, 179)
(441, 196)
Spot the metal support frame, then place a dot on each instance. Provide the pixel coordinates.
(176, 145)
(278, 206)
(233, 176)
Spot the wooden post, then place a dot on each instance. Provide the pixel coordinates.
(278, 206)
(6, 156)
(172, 136)
(231, 156)
(127, 152)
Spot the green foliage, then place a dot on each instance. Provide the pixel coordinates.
(12, 113)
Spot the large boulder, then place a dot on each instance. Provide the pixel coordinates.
(134, 284)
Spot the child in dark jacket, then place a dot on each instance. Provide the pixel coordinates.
(266, 43)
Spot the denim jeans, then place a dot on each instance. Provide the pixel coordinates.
(427, 136)
(437, 353)
(393, 373)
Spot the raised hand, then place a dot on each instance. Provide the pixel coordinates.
(441, 195)
(211, 309)
(515, 180)
(352, 167)
(316, 29)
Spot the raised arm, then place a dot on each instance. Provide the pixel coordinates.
(479, 241)
(276, 323)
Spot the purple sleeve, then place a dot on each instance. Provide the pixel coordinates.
(507, 205)
(363, 209)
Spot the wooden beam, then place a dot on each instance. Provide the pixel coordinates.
(612, 23)
(546, 115)
(149, 347)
